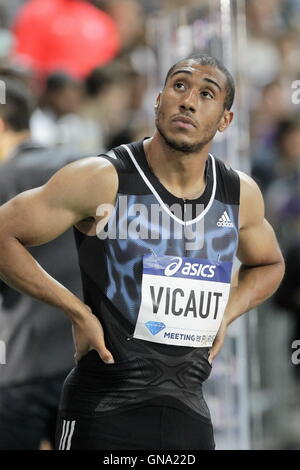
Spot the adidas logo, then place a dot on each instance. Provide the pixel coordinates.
(224, 221)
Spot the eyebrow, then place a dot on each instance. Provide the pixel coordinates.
(209, 80)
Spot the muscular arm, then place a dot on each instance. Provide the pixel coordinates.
(262, 266)
(39, 215)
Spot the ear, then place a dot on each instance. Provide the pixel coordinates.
(226, 120)
(157, 103)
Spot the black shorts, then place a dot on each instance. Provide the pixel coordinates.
(144, 428)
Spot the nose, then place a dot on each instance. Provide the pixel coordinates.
(188, 102)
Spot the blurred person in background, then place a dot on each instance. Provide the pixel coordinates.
(270, 108)
(288, 44)
(271, 67)
(37, 336)
(264, 18)
(271, 35)
(107, 99)
(285, 175)
(57, 122)
(14, 71)
(130, 21)
(274, 119)
(15, 110)
(288, 295)
(114, 94)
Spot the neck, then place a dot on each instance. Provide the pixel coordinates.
(181, 173)
(9, 141)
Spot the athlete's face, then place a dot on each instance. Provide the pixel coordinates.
(190, 109)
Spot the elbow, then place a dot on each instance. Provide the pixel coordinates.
(7, 240)
(280, 268)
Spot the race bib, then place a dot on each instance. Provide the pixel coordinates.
(183, 300)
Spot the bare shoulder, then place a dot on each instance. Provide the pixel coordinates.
(252, 209)
(84, 183)
(88, 168)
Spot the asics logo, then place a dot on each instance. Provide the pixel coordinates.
(173, 267)
(189, 269)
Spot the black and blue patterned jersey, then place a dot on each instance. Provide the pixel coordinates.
(151, 237)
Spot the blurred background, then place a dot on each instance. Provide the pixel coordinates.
(84, 76)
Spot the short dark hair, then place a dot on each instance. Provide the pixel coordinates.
(18, 106)
(205, 59)
(58, 81)
(286, 127)
(114, 72)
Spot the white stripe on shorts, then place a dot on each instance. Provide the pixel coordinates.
(67, 434)
(70, 435)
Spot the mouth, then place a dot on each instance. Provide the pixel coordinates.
(184, 121)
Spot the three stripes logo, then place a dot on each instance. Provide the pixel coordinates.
(67, 434)
(224, 221)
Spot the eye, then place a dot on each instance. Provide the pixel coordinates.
(179, 86)
(207, 94)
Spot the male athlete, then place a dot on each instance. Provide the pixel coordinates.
(157, 225)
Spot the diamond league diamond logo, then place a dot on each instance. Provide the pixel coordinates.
(155, 327)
